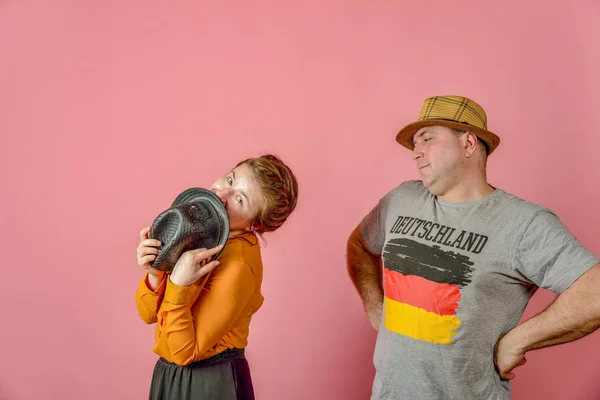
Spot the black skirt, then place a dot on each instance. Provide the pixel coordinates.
(225, 376)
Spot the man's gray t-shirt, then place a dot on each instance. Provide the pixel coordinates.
(456, 277)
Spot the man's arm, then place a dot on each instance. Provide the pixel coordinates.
(364, 269)
(574, 314)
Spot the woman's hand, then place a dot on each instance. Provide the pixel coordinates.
(147, 252)
(192, 265)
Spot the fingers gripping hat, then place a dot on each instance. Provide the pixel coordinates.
(196, 219)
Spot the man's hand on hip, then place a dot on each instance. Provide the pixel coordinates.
(508, 356)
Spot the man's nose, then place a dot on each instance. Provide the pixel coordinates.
(417, 153)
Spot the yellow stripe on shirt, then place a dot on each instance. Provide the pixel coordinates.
(420, 324)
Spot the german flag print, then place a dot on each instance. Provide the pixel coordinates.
(422, 290)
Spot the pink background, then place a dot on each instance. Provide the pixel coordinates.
(108, 110)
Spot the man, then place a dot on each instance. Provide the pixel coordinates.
(461, 259)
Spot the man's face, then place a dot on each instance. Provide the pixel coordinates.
(438, 154)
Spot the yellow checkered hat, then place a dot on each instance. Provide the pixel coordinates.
(455, 112)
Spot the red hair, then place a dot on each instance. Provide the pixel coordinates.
(279, 188)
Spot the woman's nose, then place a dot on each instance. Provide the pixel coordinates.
(221, 194)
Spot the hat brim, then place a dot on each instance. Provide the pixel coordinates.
(405, 135)
(195, 195)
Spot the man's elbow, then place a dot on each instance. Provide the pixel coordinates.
(585, 292)
(595, 320)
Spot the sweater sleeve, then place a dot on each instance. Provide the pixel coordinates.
(148, 301)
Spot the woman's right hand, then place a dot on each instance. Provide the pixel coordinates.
(147, 252)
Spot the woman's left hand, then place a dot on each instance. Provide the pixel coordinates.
(192, 265)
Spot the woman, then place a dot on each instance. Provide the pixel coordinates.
(203, 310)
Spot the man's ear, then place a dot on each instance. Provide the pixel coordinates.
(470, 144)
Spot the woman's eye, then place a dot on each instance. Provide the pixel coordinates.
(229, 180)
(239, 199)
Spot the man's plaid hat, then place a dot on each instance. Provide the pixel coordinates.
(454, 112)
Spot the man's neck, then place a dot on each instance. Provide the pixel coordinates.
(468, 190)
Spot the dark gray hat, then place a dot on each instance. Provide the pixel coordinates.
(197, 219)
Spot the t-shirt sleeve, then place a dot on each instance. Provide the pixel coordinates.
(372, 226)
(550, 256)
